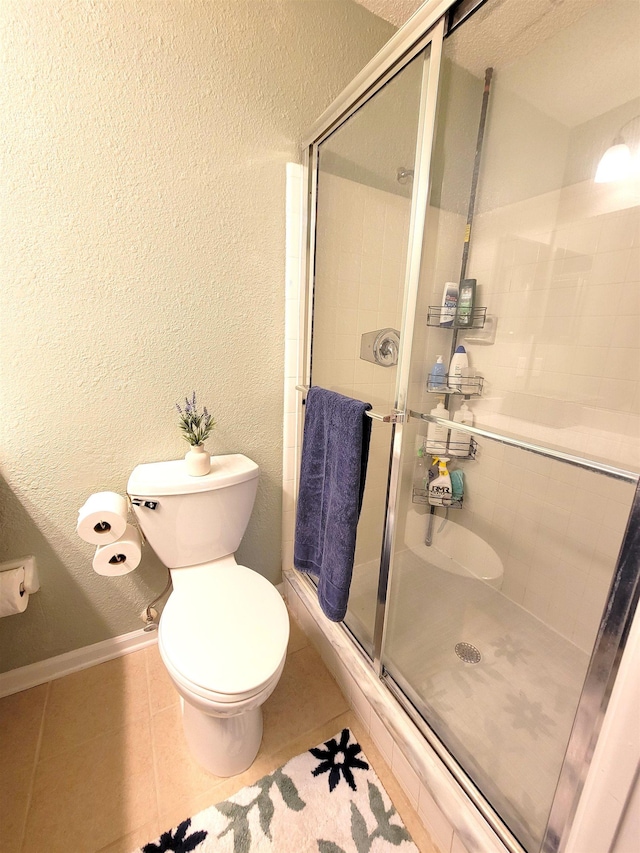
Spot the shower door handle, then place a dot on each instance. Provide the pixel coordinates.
(394, 418)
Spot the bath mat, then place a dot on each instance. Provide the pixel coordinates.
(327, 800)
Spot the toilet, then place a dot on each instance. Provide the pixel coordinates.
(224, 630)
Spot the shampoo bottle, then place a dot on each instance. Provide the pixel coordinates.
(449, 303)
(440, 491)
(436, 433)
(437, 376)
(465, 303)
(459, 363)
(460, 442)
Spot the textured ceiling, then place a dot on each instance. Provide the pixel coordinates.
(572, 60)
(555, 54)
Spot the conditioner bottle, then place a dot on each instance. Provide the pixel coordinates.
(459, 441)
(437, 435)
(459, 363)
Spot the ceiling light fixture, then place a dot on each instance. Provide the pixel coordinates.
(617, 162)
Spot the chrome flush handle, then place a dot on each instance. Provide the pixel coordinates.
(146, 504)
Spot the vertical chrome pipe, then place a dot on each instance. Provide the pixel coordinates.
(488, 74)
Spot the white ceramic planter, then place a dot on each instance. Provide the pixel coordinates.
(198, 461)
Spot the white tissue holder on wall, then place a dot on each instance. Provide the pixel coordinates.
(31, 580)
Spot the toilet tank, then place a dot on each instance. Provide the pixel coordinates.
(191, 520)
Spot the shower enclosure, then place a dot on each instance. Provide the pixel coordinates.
(469, 152)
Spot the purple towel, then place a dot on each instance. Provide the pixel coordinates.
(335, 450)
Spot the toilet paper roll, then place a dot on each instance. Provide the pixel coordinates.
(103, 518)
(11, 599)
(121, 557)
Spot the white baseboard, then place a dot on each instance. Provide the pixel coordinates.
(47, 670)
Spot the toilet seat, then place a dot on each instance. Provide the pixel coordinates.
(227, 639)
(224, 704)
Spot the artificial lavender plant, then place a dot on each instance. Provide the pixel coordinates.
(195, 426)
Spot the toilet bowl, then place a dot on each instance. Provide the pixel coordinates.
(224, 630)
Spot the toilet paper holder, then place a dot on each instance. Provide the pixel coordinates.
(31, 582)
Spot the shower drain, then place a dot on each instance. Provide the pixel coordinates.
(468, 653)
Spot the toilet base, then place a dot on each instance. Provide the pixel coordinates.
(225, 746)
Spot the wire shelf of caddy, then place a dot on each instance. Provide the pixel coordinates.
(437, 315)
(463, 386)
(457, 451)
(421, 496)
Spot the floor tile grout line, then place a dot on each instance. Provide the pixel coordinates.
(333, 722)
(152, 757)
(36, 761)
(154, 762)
(111, 732)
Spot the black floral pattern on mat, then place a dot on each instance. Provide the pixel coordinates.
(331, 763)
(178, 843)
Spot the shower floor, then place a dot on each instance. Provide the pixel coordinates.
(507, 718)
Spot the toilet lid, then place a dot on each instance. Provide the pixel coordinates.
(232, 637)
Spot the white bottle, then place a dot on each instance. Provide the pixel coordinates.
(449, 303)
(460, 442)
(437, 434)
(459, 364)
(440, 492)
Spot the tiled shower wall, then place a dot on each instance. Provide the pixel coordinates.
(563, 371)
(560, 272)
(567, 355)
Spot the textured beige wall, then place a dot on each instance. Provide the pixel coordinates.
(143, 148)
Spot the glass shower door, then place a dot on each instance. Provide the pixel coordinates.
(364, 199)
(494, 605)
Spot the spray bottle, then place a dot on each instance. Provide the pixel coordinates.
(440, 491)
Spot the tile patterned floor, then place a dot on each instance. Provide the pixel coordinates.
(96, 762)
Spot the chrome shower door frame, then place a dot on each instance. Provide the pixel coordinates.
(425, 29)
